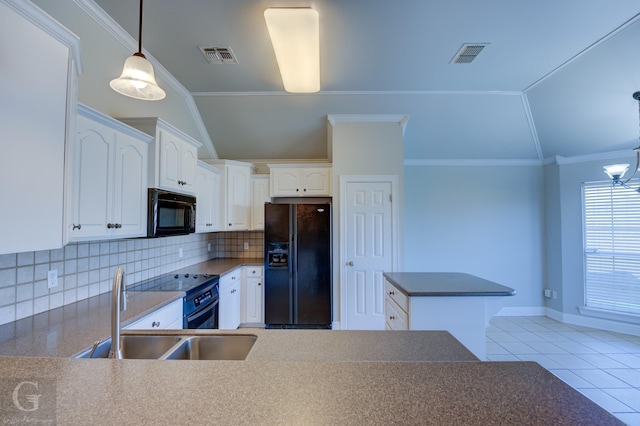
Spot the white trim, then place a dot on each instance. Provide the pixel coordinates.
(474, 162)
(586, 50)
(522, 311)
(595, 157)
(335, 325)
(395, 224)
(49, 25)
(365, 93)
(599, 323)
(125, 39)
(609, 315)
(401, 119)
(113, 123)
(532, 125)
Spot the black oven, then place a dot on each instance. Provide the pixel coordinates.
(201, 309)
(170, 213)
(200, 301)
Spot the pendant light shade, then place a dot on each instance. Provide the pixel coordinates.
(137, 79)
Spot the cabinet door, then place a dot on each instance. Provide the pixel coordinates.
(91, 176)
(315, 181)
(238, 197)
(130, 187)
(170, 159)
(204, 189)
(259, 196)
(285, 182)
(188, 167)
(229, 308)
(254, 300)
(216, 202)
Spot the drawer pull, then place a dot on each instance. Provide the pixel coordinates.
(392, 317)
(79, 226)
(391, 293)
(155, 324)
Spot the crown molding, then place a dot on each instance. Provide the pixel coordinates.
(401, 119)
(472, 162)
(124, 38)
(364, 93)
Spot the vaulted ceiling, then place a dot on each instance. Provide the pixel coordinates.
(555, 78)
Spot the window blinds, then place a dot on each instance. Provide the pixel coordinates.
(612, 247)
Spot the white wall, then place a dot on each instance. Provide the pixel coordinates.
(362, 147)
(484, 220)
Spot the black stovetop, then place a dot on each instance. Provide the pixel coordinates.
(174, 282)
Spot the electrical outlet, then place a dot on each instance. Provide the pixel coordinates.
(246, 245)
(52, 278)
(547, 293)
(180, 252)
(209, 247)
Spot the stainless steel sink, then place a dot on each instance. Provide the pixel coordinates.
(213, 348)
(172, 347)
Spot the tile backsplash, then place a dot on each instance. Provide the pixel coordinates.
(86, 269)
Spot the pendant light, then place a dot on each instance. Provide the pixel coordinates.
(617, 171)
(137, 79)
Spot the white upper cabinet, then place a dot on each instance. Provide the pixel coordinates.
(107, 179)
(259, 195)
(208, 186)
(300, 180)
(173, 156)
(236, 194)
(38, 87)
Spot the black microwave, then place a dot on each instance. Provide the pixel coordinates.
(170, 213)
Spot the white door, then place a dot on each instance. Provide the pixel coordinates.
(368, 251)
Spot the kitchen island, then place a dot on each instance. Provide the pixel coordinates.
(304, 377)
(461, 304)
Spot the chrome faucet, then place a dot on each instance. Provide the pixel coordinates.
(118, 303)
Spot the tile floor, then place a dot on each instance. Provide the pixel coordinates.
(602, 365)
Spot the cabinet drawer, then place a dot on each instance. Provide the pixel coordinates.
(166, 317)
(399, 297)
(230, 279)
(254, 271)
(395, 318)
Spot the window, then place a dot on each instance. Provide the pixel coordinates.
(612, 247)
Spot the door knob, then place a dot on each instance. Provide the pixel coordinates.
(350, 263)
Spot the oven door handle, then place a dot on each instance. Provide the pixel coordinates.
(203, 311)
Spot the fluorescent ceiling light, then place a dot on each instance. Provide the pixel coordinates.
(295, 35)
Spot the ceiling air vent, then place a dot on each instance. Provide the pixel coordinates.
(218, 55)
(467, 53)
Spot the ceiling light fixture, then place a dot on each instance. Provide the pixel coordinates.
(137, 79)
(617, 171)
(295, 36)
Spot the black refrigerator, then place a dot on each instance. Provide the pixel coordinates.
(297, 265)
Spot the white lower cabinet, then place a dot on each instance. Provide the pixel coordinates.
(396, 310)
(253, 292)
(230, 300)
(169, 317)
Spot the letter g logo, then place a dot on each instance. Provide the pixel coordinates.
(32, 398)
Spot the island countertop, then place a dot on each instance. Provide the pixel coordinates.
(445, 284)
(134, 392)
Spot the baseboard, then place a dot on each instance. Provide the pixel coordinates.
(523, 311)
(592, 322)
(335, 325)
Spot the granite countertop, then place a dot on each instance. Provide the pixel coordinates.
(134, 392)
(445, 284)
(69, 329)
